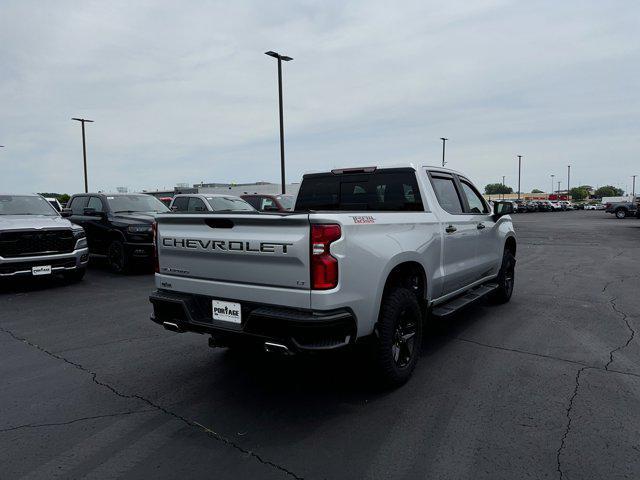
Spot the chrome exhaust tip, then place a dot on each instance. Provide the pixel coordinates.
(174, 327)
(271, 347)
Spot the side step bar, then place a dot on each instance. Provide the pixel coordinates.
(458, 303)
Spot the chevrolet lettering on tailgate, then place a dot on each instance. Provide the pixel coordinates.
(226, 245)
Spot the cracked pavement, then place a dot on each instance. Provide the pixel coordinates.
(547, 386)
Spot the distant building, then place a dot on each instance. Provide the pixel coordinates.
(236, 189)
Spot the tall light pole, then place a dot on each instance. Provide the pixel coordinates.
(280, 58)
(552, 177)
(84, 151)
(633, 188)
(519, 170)
(503, 186)
(444, 140)
(568, 180)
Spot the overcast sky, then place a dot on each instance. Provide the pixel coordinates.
(182, 91)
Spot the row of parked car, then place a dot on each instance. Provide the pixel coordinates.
(619, 209)
(522, 206)
(39, 236)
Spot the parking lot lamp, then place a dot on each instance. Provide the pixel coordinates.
(503, 186)
(280, 58)
(633, 188)
(444, 140)
(552, 177)
(519, 170)
(84, 151)
(568, 180)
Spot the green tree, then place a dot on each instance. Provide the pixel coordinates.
(578, 193)
(62, 197)
(608, 191)
(497, 188)
(535, 190)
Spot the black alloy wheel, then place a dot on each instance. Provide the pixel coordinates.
(506, 279)
(404, 338)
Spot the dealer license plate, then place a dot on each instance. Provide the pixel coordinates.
(226, 311)
(41, 270)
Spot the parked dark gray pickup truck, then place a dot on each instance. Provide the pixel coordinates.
(622, 209)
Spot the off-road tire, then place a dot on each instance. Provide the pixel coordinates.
(394, 358)
(505, 280)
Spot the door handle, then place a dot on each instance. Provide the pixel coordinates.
(450, 229)
(481, 226)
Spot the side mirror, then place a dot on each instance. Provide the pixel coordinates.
(66, 212)
(501, 209)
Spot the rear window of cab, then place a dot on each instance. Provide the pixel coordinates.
(382, 190)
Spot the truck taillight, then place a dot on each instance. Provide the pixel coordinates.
(156, 264)
(324, 267)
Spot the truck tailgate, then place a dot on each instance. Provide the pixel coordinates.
(259, 249)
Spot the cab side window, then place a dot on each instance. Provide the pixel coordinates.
(474, 200)
(447, 193)
(96, 204)
(196, 205)
(180, 204)
(78, 204)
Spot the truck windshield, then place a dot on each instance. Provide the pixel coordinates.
(136, 203)
(229, 204)
(25, 205)
(383, 190)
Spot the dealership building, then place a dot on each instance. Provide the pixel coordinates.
(236, 189)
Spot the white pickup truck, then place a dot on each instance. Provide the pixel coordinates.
(367, 254)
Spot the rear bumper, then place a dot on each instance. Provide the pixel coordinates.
(298, 329)
(60, 263)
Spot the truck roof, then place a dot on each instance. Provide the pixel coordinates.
(205, 195)
(372, 168)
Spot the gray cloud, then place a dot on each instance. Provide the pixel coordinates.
(181, 92)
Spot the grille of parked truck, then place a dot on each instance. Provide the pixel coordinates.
(35, 240)
(365, 257)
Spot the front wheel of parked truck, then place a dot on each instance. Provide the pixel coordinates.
(117, 257)
(396, 347)
(505, 280)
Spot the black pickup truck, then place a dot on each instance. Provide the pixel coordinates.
(118, 226)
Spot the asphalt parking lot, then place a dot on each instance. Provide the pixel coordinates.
(547, 386)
